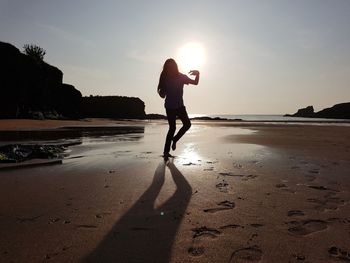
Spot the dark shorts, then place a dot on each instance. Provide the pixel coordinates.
(180, 112)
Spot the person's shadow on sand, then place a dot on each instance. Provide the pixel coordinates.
(146, 234)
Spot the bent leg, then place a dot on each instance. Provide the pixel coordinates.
(186, 123)
(171, 115)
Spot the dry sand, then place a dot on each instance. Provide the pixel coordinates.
(234, 193)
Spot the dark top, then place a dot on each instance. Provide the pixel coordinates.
(174, 91)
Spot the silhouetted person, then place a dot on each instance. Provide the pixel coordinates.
(171, 83)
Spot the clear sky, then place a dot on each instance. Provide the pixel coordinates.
(260, 57)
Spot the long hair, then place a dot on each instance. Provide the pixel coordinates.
(170, 69)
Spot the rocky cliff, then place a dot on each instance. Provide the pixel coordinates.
(31, 88)
(113, 107)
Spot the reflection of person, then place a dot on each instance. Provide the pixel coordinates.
(170, 86)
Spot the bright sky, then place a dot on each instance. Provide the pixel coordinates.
(255, 57)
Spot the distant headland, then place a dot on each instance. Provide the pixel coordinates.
(338, 111)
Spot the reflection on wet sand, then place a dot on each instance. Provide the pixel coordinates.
(66, 133)
(19, 148)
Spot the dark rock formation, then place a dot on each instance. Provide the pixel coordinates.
(67, 100)
(32, 88)
(113, 107)
(303, 112)
(19, 153)
(206, 118)
(338, 111)
(154, 116)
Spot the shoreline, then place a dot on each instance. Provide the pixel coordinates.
(28, 124)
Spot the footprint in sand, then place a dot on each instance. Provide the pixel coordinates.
(205, 231)
(245, 177)
(249, 177)
(335, 200)
(310, 178)
(248, 254)
(288, 190)
(231, 226)
(28, 219)
(295, 213)
(256, 225)
(339, 254)
(222, 186)
(237, 165)
(54, 220)
(297, 258)
(51, 255)
(338, 220)
(314, 171)
(285, 188)
(328, 202)
(322, 204)
(318, 187)
(306, 227)
(280, 185)
(189, 164)
(196, 251)
(86, 226)
(101, 215)
(231, 174)
(54, 254)
(224, 205)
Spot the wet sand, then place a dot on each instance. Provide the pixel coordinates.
(26, 124)
(234, 193)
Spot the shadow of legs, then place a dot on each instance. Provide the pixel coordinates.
(144, 234)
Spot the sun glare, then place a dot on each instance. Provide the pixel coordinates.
(191, 56)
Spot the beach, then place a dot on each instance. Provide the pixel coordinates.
(235, 192)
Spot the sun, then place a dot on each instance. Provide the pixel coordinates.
(191, 56)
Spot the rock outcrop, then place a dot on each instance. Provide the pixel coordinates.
(338, 111)
(30, 88)
(303, 112)
(155, 116)
(117, 107)
(14, 153)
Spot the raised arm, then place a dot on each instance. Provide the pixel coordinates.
(196, 80)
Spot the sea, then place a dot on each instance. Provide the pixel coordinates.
(272, 118)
